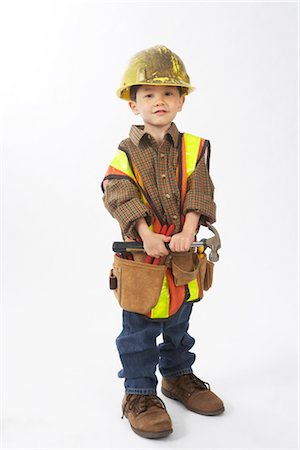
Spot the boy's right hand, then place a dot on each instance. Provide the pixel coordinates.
(154, 244)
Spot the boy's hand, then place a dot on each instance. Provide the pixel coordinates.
(154, 244)
(181, 242)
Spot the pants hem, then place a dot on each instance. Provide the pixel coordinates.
(140, 391)
(177, 373)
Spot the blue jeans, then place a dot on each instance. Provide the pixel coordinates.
(140, 354)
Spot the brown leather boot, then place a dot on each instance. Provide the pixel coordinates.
(195, 394)
(147, 415)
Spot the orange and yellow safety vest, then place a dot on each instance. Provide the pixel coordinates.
(191, 150)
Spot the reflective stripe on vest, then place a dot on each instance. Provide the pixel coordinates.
(121, 164)
(161, 310)
(171, 296)
(192, 144)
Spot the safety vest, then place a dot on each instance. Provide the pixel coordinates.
(190, 150)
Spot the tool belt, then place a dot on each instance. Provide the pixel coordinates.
(137, 286)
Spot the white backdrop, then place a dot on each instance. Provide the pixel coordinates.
(62, 62)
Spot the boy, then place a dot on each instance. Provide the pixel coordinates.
(160, 177)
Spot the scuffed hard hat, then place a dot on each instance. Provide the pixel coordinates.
(157, 66)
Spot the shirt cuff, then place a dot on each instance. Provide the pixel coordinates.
(204, 205)
(128, 215)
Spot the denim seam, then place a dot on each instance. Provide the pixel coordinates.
(140, 391)
(178, 373)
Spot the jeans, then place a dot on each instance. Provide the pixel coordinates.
(140, 354)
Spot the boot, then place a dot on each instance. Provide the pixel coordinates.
(194, 393)
(147, 415)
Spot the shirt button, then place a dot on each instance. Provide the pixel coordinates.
(163, 175)
(162, 155)
(148, 136)
(168, 195)
(174, 217)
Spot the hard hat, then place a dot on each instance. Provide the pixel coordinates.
(157, 66)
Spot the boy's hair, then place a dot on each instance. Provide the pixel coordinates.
(134, 89)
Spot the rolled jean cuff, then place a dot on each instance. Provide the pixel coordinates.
(140, 391)
(177, 373)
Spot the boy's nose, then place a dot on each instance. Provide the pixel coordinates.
(159, 101)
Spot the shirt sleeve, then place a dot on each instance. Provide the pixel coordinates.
(122, 199)
(200, 194)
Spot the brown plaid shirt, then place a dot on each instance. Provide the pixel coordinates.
(157, 167)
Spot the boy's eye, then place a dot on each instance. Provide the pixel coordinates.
(151, 95)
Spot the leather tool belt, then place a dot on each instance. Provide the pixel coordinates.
(137, 286)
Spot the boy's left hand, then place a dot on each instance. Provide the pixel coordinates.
(181, 242)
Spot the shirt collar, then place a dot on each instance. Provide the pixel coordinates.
(137, 133)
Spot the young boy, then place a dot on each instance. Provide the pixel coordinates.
(157, 182)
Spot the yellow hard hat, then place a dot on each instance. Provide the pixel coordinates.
(157, 66)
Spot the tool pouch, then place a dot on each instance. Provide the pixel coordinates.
(185, 266)
(208, 279)
(136, 285)
(205, 273)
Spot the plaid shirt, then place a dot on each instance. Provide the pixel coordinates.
(157, 167)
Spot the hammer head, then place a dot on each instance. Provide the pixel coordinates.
(214, 243)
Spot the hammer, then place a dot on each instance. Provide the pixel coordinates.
(214, 243)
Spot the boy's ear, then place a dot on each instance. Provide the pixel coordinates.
(133, 107)
(181, 102)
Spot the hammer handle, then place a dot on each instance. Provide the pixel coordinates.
(121, 247)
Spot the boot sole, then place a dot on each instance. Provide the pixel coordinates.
(204, 413)
(152, 434)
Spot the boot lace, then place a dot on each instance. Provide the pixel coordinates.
(190, 382)
(140, 403)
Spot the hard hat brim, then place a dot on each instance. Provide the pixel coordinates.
(124, 91)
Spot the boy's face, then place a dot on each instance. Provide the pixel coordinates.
(158, 105)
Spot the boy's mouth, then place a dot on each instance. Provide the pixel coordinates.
(160, 111)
